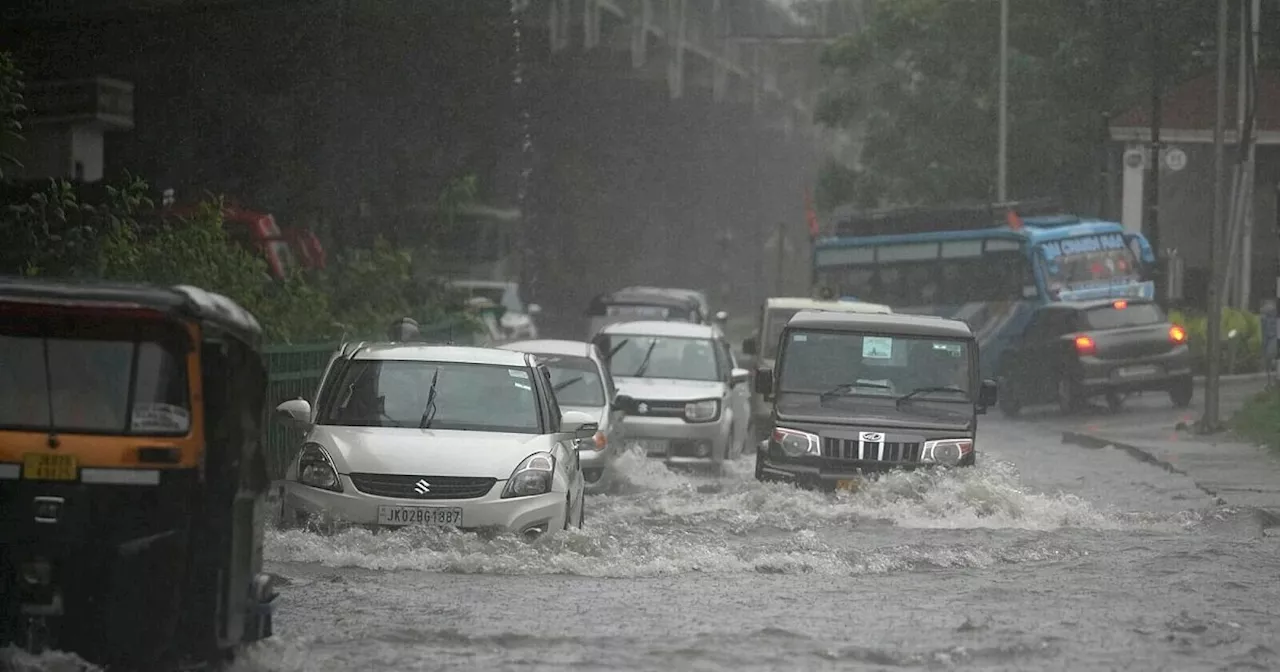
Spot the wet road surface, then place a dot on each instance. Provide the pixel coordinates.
(1045, 556)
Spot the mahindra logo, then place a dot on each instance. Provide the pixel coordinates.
(874, 437)
(422, 487)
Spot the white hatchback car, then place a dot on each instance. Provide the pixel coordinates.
(461, 437)
(581, 382)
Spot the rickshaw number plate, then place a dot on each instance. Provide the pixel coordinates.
(49, 467)
(849, 485)
(420, 515)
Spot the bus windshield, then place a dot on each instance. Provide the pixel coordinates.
(916, 274)
(1084, 260)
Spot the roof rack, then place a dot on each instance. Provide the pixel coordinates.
(958, 217)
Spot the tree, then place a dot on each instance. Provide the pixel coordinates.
(11, 109)
(919, 85)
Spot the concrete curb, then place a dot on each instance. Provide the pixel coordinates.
(1097, 443)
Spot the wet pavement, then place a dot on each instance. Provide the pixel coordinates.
(1046, 556)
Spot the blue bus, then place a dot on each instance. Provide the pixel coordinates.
(988, 265)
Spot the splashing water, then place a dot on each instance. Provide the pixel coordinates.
(660, 522)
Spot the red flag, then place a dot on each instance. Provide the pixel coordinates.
(1012, 218)
(810, 215)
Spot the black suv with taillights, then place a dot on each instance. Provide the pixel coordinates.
(856, 394)
(1070, 352)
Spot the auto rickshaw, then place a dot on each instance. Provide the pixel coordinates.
(132, 473)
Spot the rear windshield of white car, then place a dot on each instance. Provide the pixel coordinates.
(1121, 314)
(575, 380)
(671, 357)
(392, 393)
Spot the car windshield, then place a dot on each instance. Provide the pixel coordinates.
(1122, 314)
(394, 393)
(108, 376)
(815, 362)
(576, 380)
(679, 358)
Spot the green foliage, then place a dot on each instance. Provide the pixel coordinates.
(919, 84)
(1241, 354)
(1258, 420)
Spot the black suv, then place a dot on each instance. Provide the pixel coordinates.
(1071, 351)
(861, 393)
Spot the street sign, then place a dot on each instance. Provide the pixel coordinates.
(1175, 159)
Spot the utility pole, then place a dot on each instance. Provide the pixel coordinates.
(1002, 158)
(1152, 193)
(1210, 422)
(782, 257)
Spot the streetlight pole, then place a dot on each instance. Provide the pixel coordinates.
(1153, 158)
(1002, 158)
(1210, 422)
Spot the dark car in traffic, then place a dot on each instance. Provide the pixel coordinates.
(856, 394)
(1073, 351)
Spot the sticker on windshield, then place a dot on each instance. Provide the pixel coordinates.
(952, 349)
(158, 417)
(518, 373)
(800, 338)
(877, 347)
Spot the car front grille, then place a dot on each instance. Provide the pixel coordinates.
(422, 487)
(660, 409)
(853, 449)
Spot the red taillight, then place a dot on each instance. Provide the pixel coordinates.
(1177, 334)
(1120, 305)
(1085, 346)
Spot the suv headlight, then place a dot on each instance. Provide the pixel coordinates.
(315, 468)
(532, 477)
(946, 452)
(707, 410)
(796, 443)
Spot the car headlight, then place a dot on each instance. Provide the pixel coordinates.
(796, 443)
(315, 468)
(946, 452)
(532, 477)
(706, 410)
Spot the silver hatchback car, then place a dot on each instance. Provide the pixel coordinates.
(686, 400)
(581, 382)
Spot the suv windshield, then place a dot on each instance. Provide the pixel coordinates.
(815, 362)
(1130, 315)
(394, 393)
(108, 376)
(673, 357)
(575, 380)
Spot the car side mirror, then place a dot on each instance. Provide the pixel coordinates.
(749, 346)
(739, 376)
(579, 424)
(988, 396)
(764, 383)
(623, 403)
(296, 412)
(721, 316)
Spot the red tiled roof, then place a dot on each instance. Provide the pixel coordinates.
(1193, 106)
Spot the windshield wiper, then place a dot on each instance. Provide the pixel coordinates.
(566, 383)
(429, 413)
(614, 350)
(644, 363)
(845, 387)
(922, 390)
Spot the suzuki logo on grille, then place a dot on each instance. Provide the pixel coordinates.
(643, 408)
(874, 437)
(422, 487)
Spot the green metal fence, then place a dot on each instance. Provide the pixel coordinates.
(293, 371)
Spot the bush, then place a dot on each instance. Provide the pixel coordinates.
(1242, 354)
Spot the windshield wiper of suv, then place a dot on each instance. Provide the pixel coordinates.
(847, 387)
(922, 390)
(429, 413)
(566, 383)
(644, 363)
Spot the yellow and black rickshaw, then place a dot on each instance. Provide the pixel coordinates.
(132, 474)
